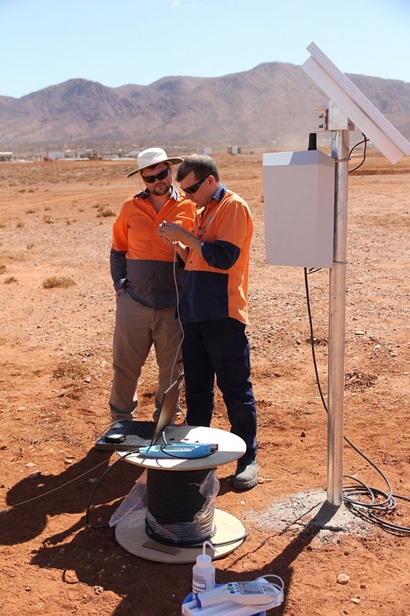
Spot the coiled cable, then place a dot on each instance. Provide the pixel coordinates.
(378, 502)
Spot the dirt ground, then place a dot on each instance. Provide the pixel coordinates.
(56, 221)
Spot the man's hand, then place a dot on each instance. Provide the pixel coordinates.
(172, 233)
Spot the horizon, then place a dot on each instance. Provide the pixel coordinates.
(172, 76)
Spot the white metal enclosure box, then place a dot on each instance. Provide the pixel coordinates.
(299, 208)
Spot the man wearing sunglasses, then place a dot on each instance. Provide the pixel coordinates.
(146, 282)
(214, 308)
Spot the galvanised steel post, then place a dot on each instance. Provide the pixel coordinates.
(337, 322)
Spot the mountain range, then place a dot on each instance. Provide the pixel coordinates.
(270, 106)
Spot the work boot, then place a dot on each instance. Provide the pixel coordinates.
(246, 476)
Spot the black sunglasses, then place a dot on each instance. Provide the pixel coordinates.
(192, 189)
(150, 179)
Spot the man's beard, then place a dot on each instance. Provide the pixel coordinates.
(160, 190)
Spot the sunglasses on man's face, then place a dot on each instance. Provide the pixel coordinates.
(192, 189)
(150, 179)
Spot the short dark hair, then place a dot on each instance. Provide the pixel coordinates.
(200, 164)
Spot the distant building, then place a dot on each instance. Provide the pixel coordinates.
(206, 151)
(55, 155)
(234, 149)
(5, 156)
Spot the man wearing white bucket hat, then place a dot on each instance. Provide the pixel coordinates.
(147, 282)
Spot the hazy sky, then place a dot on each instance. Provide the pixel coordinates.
(117, 42)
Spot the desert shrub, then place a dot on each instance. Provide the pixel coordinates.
(71, 369)
(106, 212)
(2, 268)
(62, 282)
(10, 280)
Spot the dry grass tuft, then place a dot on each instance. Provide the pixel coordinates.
(70, 369)
(106, 212)
(61, 282)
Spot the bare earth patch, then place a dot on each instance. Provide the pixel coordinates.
(55, 343)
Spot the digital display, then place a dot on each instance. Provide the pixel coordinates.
(250, 588)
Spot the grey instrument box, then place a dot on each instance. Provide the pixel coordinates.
(299, 208)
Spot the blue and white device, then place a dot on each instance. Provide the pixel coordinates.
(257, 593)
(237, 598)
(185, 451)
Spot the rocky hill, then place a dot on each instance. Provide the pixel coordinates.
(270, 106)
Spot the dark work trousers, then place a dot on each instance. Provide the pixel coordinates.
(220, 347)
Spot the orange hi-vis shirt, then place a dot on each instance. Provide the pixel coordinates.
(216, 284)
(140, 260)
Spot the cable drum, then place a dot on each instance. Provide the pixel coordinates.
(170, 500)
(181, 505)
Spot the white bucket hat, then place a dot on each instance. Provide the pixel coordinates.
(153, 156)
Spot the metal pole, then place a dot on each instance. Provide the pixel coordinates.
(337, 323)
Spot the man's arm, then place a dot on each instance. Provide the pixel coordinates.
(220, 254)
(118, 267)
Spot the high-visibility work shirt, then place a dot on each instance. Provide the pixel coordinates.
(140, 260)
(216, 283)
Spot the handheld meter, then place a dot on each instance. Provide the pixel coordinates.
(237, 598)
(256, 593)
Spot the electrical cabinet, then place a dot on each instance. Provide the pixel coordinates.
(299, 208)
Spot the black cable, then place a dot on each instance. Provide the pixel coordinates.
(97, 485)
(29, 500)
(170, 501)
(312, 343)
(178, 507)
(364, 140)
(199, 545)
(192, 542)
(358, 507)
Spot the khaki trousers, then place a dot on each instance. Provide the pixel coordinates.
(137, 328)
